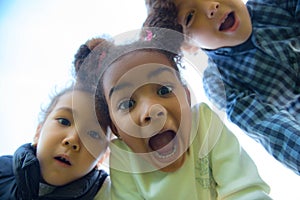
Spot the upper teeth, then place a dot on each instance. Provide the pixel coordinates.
(224, 19)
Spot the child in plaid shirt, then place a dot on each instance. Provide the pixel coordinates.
(253, 67)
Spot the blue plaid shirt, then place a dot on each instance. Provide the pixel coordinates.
(258, 82)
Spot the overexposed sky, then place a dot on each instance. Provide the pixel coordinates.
(38, 40)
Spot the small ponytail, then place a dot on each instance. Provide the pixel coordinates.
(79, 57)
(89, 59)
(85, 49)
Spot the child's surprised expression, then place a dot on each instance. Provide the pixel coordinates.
(214, 24)
(70, 142)
(149, 108)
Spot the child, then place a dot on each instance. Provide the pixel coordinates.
(61, 163)
(253, 67)
(164, 148)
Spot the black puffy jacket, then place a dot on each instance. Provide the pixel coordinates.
(20, 179)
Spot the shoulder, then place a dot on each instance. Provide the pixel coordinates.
(207, 128)
(104, 192)
(119, 156)
(25, 154)
(6, 165)
(205, 114)
(7, 178)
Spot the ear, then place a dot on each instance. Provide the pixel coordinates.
(37, 135)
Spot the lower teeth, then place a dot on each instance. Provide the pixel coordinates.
(167, 156)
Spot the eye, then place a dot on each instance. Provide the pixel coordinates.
(188, 18)
(94, 134)
(127, 104)
(64, 121)
(164, 90)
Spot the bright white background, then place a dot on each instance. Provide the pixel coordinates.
(38, 40)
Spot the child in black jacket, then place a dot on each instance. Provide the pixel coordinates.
(62, 161)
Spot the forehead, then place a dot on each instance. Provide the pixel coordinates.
(148, 59)
(179, 3)
(77, 102)
(68, 98)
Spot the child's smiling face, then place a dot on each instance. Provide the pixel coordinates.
(149, 108)
(214, 24)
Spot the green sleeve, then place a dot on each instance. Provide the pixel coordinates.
(104, 192)
(123, 185)
(234, 172)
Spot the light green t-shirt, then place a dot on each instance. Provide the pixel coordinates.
(216, 167)
(104, 192)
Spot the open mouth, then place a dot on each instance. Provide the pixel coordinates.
(164, 144)
(62, 160)
(228, 22)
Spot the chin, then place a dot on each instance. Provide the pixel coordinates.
(55, 181)
(175, 165)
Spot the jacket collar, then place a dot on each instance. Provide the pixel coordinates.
(28, 178)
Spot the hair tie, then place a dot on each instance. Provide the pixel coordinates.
(149, 35)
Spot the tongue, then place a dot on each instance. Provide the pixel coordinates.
(228, 22)
(161, 140)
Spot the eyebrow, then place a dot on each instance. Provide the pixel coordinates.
(179, 5)
(67, 109)
(118, 87)
(152, 74)
(159, 71)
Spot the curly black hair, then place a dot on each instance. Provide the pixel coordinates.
(91, 64)
(162, 14)
(86, 65)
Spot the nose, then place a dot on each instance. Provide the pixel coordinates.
(72, 142)
(153, 112)
(212, 9)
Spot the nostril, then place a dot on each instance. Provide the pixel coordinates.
(74, 147)
(66, 143)
(147, 119)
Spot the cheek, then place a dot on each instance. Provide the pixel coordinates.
(48, 139)
(129, 132)
(181, 107)
(90, 161)
(178, 101)
(87, 163)
(41, 142)
(185, 121)
(202, 39)
(42, 154)
(204, 35)
(175, 107)
(126, 123)
(137, 145)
